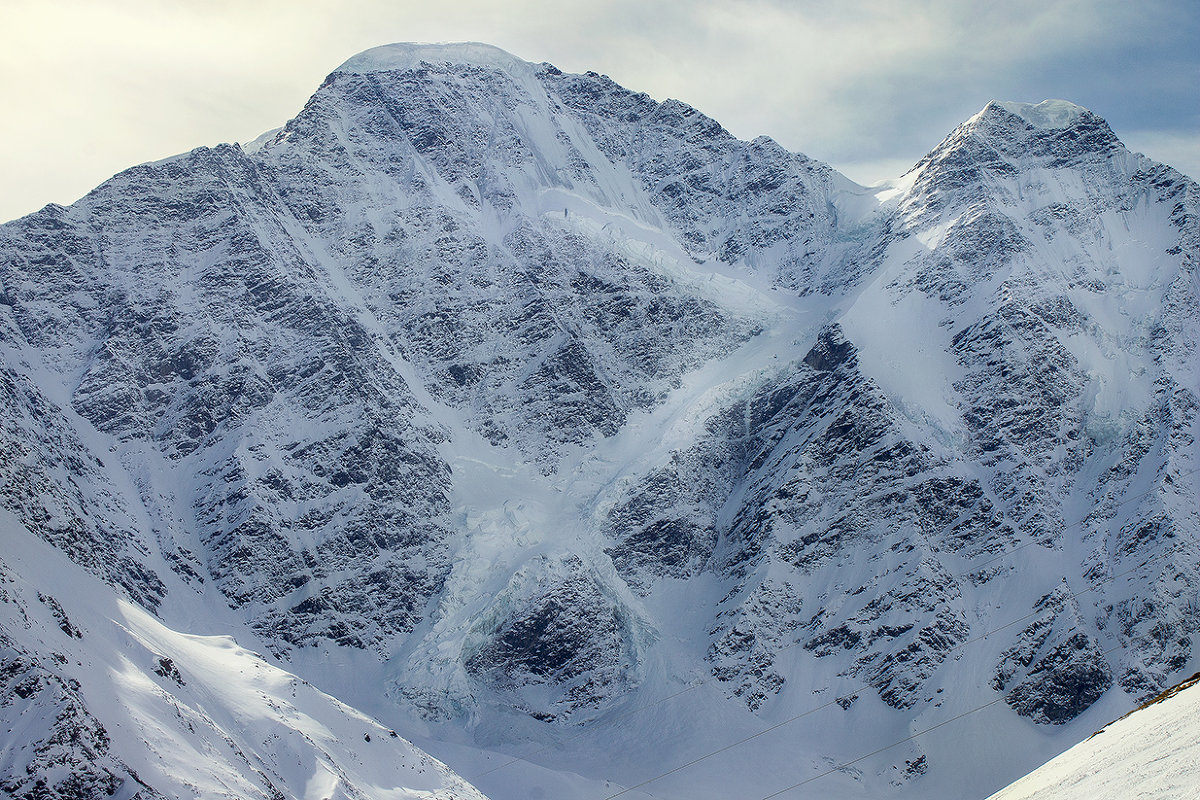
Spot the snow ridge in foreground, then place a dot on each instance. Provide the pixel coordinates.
(1152, 754)
(109, 701)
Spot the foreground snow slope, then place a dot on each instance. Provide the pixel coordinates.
(558, 428)
(1151, 754)
(101, 699)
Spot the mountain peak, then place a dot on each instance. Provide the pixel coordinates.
(409, 55)
(1005, 134)
(1047, 121)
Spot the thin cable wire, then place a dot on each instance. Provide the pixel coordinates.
(905, 740)
(1080, 521)
(867, 686)
(696, 684)
(852, 762)
(961, 645)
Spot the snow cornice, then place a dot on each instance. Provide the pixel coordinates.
(1048, 114)
(408, 55)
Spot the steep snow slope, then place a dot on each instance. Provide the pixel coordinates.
(102, 700)
(1151, 753)
(538, 418)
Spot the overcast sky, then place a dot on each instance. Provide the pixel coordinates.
(90, 87)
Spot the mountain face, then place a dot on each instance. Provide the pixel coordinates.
(557, 427)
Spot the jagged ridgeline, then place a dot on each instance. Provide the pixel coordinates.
(506, 404)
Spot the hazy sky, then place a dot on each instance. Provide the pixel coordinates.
(91, 87)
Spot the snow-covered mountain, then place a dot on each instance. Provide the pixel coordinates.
(601, 453)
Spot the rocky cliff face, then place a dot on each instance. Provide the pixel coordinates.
(543, 401)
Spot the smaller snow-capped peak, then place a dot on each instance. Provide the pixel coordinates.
(1006, 137)
(1047, 119)
(1052, 127)
(409, 55)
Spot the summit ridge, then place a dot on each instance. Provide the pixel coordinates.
(1046, 114)
(408, 55)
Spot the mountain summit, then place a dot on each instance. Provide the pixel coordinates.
(555, 428)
